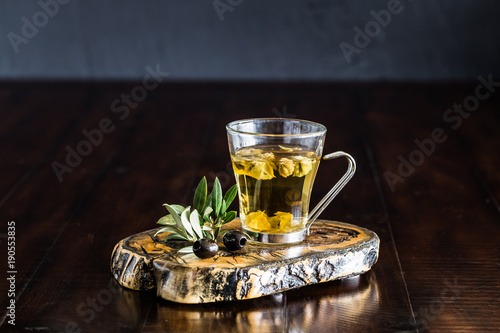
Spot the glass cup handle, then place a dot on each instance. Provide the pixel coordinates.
(336, 189)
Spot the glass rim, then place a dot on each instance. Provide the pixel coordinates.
(322, 128)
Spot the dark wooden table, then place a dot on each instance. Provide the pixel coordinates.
(433, 202)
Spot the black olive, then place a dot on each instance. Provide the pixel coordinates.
(205, 248)
(234, 240)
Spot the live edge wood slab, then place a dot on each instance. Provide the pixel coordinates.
(333, 250)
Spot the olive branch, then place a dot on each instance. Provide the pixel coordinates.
(209, 214)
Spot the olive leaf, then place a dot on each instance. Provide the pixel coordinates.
(217, 197)
(209, 202)
(174, 236)
(177, 208)
(195, 223)
(169, 219)
(175, 231)
(206, 213)
(200, 195)
(187, 224)
(187, 249)
(175, 215)
(166, 220)
(228, 198)
(229, 216)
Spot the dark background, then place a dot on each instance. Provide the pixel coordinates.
(439, 224)
(251, 40)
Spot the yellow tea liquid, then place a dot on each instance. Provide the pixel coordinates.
(274, 183)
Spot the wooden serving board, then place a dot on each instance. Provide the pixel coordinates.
(333, 250)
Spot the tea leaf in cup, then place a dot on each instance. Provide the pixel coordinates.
(286, 167)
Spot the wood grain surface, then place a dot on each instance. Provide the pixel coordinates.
(331, 251)
(439, 227)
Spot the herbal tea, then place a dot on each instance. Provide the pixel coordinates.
(275, 183)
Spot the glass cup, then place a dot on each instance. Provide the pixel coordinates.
(275, 162)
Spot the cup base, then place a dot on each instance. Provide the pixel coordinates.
(286, 238)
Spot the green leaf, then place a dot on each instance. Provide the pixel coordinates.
(219, 224)
(200, 195)
(247, 235)
(229, 216)
(209, 202)
(195, 223)
(186, 223)
(206, 228)
(166, 220)
(223, 232)
(172, 210)
(172, 230)
(207, 211)
(187, 249)
(228, 198)
(216, 232)
(166, 229)
(175, 237)
(178, 208)
(216, 197)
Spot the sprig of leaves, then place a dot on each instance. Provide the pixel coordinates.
(209, 214)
